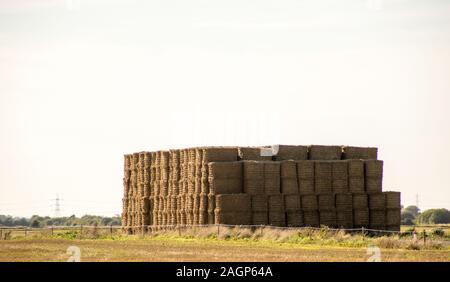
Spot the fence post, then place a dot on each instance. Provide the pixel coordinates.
(363, 232)
(179, 231)
(52, 230)
(218, 230)
(110, 230)
(261, 230)
(25, 231)
(81, 231)
(1, 234)
(424, 237)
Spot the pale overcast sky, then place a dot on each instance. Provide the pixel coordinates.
(83, 82)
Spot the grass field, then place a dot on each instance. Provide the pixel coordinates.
(231, 245)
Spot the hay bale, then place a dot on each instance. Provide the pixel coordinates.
(377, 219)
(225, 177)
(323, 186)
(393, 228)
(344, 201)
(272, 180)
(253, 174)
(373, 185)
(311, 218)
(233, 202)
(203, 202)
(294, 218)
(393, 217)
(289, 183)
(364, 153)
(309, 202)
(306, 186)
(326, 202)
(211, 203)
(259, 203)
(327, 217)
(323, 170)
(220, 154)
(377, 201)
(340, 185)
(320, 152)
(305, 170)
(392, 200)
(361, 218)
(292, 203)
(373, 168)
(355, 168)
(291, 152)
(233, 217)
(356, 185)
(203, 217)
(277, 217)
(344, 218)
(276, 203)
(260, 217)
(252, 153)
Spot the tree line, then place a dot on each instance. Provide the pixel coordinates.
(412, 215)
(36, 221)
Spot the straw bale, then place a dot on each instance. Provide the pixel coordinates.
(377, 201)
(344, 201)
(272, 178)
(373, 168)
(260, 217)
(323, 186)
(326, 202)
(392, 199)
(365, 153)
(220, 154)
(311, 218)
(340, 185)
(291, 152)
(360, 218)
(292, 202)
(309, 202)
(305, 169)
(294, 218)
(393, 228)
(355, 168)
(203, 217)
(233, 217)
(288, 169)
(344, 218)
(360, 201)
(327, 217)
(320, 152)
(252, 153)
(377, 219)
(306, 186)
(233, 202)
(259, 203)
(323, 170)
(373, 184)
(356, 185)
(276, 202)
(211, 202)
(277, 218)
(253, 173)
(289, 183)
(393, 217)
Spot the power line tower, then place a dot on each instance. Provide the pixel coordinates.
(57, 206)
(417, 200)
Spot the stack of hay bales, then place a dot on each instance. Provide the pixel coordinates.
(298, 186)
(377, 211)
(320, 152)
(356, 176)
(393, 210)
(373, 176)
(327, 210)
(344, 210)
(218, 154)
(234, 209)
(360, 210)
(305, 176)
(310, 210)
(359, 153)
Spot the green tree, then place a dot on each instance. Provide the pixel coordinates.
(434, 216)
(414, 210)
